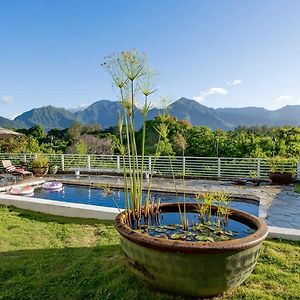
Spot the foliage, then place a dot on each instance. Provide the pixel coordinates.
(40, 161)
(19, 145)
(81, 147)
(51, 257)
(281, 165)
(131, 76)
(261, 142)
(297, 187)
(97, 145)
(75, 131)
(90, 144)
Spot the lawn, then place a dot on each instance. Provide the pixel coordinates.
(297, 187)
(48, 257)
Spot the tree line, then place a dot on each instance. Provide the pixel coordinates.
(261, 142)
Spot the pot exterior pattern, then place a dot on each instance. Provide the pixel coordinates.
(193, 274)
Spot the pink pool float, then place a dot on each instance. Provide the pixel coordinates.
(52, 186)
(22, 190)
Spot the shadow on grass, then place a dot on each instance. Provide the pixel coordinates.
(71, 273)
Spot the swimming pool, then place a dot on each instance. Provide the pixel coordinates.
(92, 196)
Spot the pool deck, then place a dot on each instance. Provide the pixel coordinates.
(279, 205)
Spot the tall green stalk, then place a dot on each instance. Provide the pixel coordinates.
(127, 69)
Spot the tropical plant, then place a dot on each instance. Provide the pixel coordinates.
(40, 161)
(132, 77)
(140, 221)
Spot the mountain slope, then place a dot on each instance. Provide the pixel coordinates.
(250, 116)
(196, 113)
(48, 117)
(7, 123)
(104, 113)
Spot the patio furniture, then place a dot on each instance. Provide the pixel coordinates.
(11, 169)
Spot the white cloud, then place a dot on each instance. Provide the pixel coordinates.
(7, 99)
(234, 82)
(285, 99)
(211, 91)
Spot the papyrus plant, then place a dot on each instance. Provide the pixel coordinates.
(132, 77)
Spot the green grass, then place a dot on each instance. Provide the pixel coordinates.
(297, 187)
(48, 257)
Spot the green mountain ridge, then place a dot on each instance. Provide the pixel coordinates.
(104, 113)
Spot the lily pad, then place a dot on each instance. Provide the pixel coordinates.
(158, 229)
(177, 236)
(201, 238)
(230, 233)
(171, 227)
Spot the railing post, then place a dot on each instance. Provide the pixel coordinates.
(24, 158)
(149, 164)
(298, 170)
(118, 164)
(62, 162)
(258, 168)
(88, 161)
(219, 167)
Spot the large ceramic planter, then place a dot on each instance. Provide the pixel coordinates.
(40, 171)
(192, 268)
(281, 177)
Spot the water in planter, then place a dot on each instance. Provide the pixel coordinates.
(168, 227)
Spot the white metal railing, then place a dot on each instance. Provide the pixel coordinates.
(211, 167)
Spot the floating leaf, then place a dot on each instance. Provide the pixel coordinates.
(158, 229)
(210, 239)
(189, 233)
(171, 227)
(231, 233)
(249, 230)
(201, 238)
(151, 227)
(177, 236)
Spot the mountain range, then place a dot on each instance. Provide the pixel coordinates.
(104, 113)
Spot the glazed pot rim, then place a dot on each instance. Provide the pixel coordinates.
(233, 245)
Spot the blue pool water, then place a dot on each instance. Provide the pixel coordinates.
(86, 195)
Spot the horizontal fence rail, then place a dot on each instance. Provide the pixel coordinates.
(202, 167)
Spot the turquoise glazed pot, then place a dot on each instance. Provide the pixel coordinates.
(195, 269)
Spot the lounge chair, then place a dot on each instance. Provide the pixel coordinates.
(11, 169)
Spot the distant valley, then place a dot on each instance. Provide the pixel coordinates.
(103, 112)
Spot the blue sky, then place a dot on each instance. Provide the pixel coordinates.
(221, 53)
